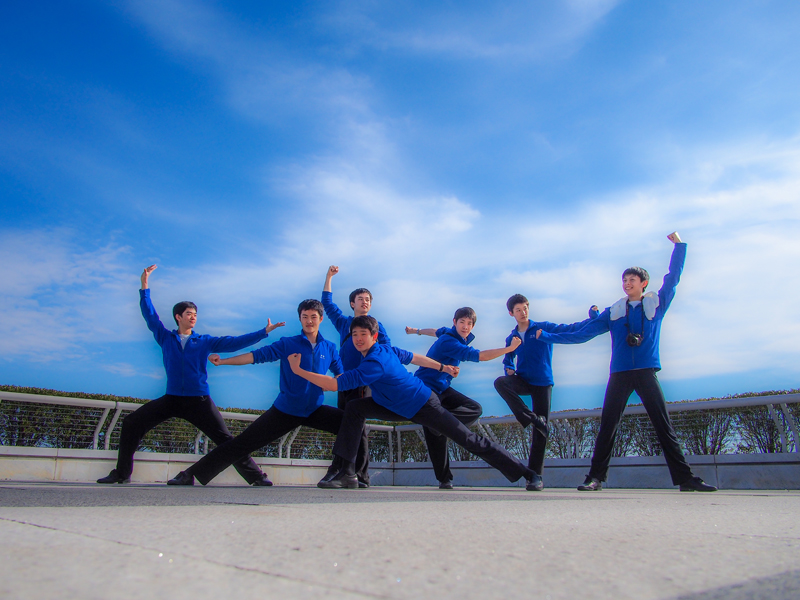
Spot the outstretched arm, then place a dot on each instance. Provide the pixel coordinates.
(498, 352)
(327, 383)
(417, 331)
(332, 270)
(424, 361)
(241, 359)
(146, 275)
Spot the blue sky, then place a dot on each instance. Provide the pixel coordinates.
(442, 154)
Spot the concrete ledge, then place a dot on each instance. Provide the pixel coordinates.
(728, 471)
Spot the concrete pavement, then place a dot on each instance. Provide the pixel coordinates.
(152, 541)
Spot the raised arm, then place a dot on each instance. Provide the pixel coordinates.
(667, 292)
(498, 352)
(417, 331)
(332, 270)
(326, 382)
(241, 359)
(146, 276)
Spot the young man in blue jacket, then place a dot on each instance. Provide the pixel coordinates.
(298, 403)
(360, 302)
(452, 347)
(397, 395)
(187, 397)
(532, 376)
(635, 325)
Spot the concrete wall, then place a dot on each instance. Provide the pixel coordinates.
(729, 471)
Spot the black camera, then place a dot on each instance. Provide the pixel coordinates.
(634, 339)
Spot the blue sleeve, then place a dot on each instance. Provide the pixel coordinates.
(270, 353)
(336, 363)
(508, 359)
(592, 329)
(154, 324)
(553, 328)
(364, 374)
(404, 355)
(671, 279)
(441, 331)
(452, 348)
(383, 337)
(233, 344)
(334, 314)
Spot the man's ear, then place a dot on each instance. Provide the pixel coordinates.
(646, 283)
(454, 322)
(510, 313)
(375, 337)
(353, 305)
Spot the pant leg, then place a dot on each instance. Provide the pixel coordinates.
(362, 460)
(540, 400)
(511, 389)
(463, 408)
(433, 415)
(267, 428)
(204, 414)
(355, 415)
(649, 390)
(136, 425)
(619, 389)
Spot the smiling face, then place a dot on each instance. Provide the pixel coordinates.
(310, 321)
(363, 339)
(187, 320)
(520, 312)
(634, 287)
(463, 326)
(361, 304)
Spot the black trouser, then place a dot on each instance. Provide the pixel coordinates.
(511, 388)
(467, 411)
(267, 428)
(362, 464)
(432, 415)
(620, 387)
(200, 411)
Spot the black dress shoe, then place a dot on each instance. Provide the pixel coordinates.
(263, 482)
(362, 483)
(535, 483)
(114, 477)
(338, 481)
(446, 485)
(591, 484)
(182, 478)
(695, 484)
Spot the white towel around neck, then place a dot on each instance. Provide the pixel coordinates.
(649, 303)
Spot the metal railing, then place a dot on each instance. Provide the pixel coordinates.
(80, 422)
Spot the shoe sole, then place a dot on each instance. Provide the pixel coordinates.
(326, 485)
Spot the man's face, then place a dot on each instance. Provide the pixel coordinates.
(464, 326)
(310, 321)
(633, 286)
(187, 320)
(361, 305)
(520, 312)
(363, 339)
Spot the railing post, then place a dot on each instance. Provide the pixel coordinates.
(780, 427)
(197, 442)
(110, 429)
(792, 425)
(399, 446)
(97, 429)
(289, 443)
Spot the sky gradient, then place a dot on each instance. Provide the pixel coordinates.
(442, 154)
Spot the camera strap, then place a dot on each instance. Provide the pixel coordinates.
(627, 319)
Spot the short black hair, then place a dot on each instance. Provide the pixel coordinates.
(514, 300)
(310, 304)
(641, 273)
(365, 322)
(358, 291)
(181, 307)
(466, 312)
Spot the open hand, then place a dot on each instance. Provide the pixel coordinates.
(146, 275)
(271, 327)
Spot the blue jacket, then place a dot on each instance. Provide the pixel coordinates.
(351, 357)
(297, 396)
(449, 349)
(624, 357)
(392, 386)
(535, 357)
(186, 367)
